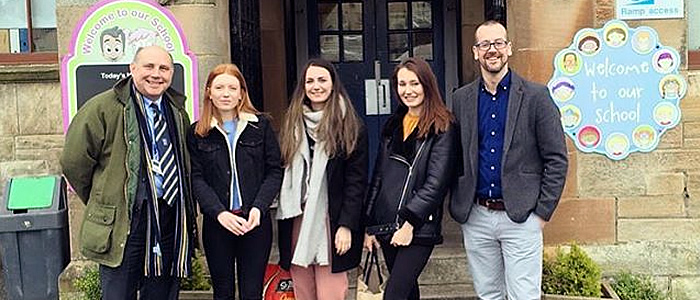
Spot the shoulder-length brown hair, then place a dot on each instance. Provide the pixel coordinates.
(339, 131)
(209, 111)
(434, 116)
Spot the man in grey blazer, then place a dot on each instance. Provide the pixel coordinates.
(514, 167)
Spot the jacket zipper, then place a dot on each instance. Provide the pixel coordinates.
(408, 177)
(126, 167)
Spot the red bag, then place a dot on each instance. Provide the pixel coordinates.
(278, 284)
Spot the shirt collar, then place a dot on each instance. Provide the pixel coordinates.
(504, 85)
(147, 101)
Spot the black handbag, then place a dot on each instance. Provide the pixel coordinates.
(370, 284)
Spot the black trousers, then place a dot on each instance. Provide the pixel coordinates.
(228, 254)
(123, 282)
(405, 265)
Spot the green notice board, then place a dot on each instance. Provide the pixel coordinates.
(31, 192)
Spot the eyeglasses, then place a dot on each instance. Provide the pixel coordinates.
(486, 45)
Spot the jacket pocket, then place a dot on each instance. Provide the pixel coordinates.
(206, 146)
(249, 143)
(96, 234)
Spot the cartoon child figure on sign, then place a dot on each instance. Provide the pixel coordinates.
(570, 116)
(617, 145)
(589, 136)
(642, 42)
(112, 42)
(671, 89)
(665, 114)
(570, 63)
(664, 62)
(589, 45)
(644, 136)
(616, 37)
(563, 90)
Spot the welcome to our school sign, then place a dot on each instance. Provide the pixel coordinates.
(104, 43)
(617, 89)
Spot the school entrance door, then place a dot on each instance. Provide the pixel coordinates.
(366, 39)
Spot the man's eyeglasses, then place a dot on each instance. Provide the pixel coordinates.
(486, 45)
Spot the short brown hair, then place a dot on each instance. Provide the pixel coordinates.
(488, 23)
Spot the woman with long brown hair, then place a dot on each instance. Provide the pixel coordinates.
(324, 151)
(236, 174)
(412, 174)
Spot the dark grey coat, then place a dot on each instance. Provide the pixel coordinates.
(534, 158)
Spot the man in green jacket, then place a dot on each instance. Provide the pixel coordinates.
(126, 159)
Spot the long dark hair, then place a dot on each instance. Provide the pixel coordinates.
(338, 130)
(434, 116)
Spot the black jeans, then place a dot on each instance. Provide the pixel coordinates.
(123, 282)
(405, 265)
(228, 254)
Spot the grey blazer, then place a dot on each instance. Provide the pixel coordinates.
(534, 161)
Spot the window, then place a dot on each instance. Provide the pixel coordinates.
(693, 8)
(340, 28)
(410, 25)
(495, 10)
(28, 31)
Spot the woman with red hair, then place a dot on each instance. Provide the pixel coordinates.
(236, 174)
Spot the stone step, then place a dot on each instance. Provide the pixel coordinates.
(428, 292)
(437, 292)
(445, 277)
(447, 265)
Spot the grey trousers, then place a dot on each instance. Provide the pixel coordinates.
(505, 258)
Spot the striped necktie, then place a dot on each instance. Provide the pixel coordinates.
(166, 165)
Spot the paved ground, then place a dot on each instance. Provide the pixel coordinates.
(3, 293)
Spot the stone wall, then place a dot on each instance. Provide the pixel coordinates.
(640, 214)
(31, 131)
(273, 59)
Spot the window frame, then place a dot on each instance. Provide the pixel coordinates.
(694, 59)
(30, 57)
(693, 55)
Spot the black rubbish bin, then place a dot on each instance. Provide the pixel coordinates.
(34, 240)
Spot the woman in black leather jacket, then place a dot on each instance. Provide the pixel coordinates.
(412, 174)
(236, 173)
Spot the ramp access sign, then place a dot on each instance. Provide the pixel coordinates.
(649, 9)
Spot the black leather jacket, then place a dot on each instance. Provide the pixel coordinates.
(411, 179)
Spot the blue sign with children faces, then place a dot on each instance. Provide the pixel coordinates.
(617, 89)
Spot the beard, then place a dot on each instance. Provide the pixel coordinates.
(493, 67)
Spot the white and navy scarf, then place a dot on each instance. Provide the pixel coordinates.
(153, 264)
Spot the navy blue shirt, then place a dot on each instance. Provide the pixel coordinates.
(492, 125)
